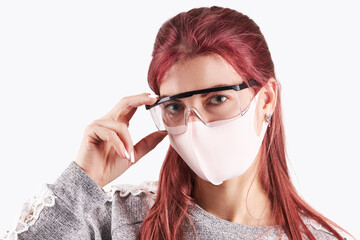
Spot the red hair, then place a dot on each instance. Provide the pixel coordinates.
(236, 38)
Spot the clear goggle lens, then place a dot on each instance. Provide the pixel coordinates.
(210, 108)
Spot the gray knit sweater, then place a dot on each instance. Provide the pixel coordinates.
(75, 207)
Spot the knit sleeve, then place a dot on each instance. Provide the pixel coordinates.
(74, 207)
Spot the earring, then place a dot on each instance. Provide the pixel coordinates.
(268, 118)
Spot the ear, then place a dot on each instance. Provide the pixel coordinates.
(270, 94)
(266, 102)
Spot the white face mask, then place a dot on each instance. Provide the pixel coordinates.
(221, 152)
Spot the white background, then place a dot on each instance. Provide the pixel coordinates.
(64, 64)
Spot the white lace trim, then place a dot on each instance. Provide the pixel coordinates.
(148, 187)
(30, 212)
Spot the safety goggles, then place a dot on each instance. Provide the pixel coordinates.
(212, 106)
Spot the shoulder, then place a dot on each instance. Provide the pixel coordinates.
(146, 189)
(123, 190)
(30, 212)
(131, 202)
(320, 232)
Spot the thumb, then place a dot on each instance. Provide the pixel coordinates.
(148, 143)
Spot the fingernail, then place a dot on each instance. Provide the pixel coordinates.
(153, 96)
(127, 155)
(132, 159)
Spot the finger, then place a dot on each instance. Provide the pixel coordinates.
(99, 133)
(121, 129)
(126, 107)
(148, 143)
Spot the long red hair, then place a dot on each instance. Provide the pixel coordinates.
(236, 38)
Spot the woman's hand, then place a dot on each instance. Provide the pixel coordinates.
(107, 147)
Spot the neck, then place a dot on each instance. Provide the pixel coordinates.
(240, 200)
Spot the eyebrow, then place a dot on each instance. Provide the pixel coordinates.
(202, 95)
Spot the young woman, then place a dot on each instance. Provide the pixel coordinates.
(225, 174)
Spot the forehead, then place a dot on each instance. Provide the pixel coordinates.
(198, 73)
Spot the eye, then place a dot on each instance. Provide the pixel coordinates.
(218, 99)
(173, 108)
